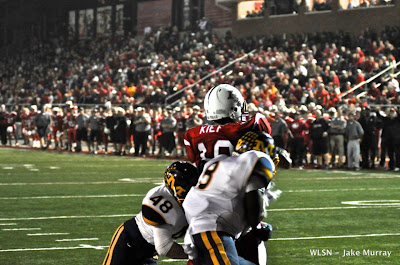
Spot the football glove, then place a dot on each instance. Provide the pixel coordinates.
(284, 158)
(263, 231)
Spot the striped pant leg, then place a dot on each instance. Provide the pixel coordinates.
(121, 252)
(215, 249)
(117, 251)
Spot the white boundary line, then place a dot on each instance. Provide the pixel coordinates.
(331, 237)
(4, 224)
(73, 197)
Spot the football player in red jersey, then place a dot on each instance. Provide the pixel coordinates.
(298, 129)
(25, 125)
(3, 124)
(225, 106)
(69, 121)
(11, 128)
(308, 117)
(32, 127)
(57, 124)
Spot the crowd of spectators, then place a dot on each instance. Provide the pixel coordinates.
(257, 11)
(123, 73)
(368, 3)
(279, 7)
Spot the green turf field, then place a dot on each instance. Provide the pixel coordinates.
(63, 209)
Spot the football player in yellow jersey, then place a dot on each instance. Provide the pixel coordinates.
(229, 199)
(162, 220)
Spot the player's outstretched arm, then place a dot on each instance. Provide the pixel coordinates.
(254, 207)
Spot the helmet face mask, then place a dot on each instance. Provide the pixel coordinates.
(179, 177)
(224, 101)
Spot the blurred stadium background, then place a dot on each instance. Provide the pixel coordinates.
(117, 58)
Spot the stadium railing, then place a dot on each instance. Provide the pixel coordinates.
(369, 80)
(171, 100)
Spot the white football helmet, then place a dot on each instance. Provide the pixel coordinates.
(224, 101)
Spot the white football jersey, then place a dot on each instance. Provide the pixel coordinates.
(159, 207)
(216, 203)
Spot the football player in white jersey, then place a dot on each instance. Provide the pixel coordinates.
(229, 198)
(162, 220)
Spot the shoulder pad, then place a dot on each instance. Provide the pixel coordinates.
(265, 167)
(151, 216)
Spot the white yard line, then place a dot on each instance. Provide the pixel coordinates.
(77, 239)
(73, 197)
(82, 246)
(65, 217)
(131, 215)
(329, 208)
(141, 195)
(85, 246)
(345, 178)
(354, 189)
(47, 234)
(77, 183)
(331, 237)
(21, 229)
(374, 202)
(4, 224)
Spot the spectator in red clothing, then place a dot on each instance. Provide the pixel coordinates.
(374, 92)
(298, 129)
(322, 95)
(334, 78)
(360, 76)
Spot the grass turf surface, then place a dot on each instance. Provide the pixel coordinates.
(64, 208)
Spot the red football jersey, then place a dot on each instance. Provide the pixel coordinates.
(298, 128)
(205, 142)
(58, 121)
(11, 118)
(25, 122)
(69, 120)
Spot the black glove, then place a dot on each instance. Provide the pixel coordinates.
(263, 231)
